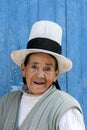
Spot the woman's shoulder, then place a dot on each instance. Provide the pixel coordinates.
(65, 98)
(10, 96)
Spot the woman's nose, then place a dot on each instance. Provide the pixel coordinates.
(40, 73)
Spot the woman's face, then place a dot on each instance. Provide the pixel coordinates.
(39, 73)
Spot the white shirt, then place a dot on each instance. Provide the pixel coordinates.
(71, 120)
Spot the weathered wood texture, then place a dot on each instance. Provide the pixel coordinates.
(16, 19)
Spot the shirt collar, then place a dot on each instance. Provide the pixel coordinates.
(26, 91)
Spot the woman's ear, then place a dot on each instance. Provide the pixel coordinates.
(56, 75)
(23, 70)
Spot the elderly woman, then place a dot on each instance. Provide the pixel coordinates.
(40, 105)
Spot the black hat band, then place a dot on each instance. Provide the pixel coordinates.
(45, 44)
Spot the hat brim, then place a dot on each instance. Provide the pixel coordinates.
(19, 56)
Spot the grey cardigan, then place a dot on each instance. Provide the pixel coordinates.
(43, 116)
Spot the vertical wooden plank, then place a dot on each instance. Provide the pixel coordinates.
(83, 49)
(3, 46)
(77, 51)
(61, 19)
(46, 10)
(18, 35)
(32, 13)
(13, 44)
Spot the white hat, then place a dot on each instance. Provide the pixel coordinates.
(45, 36)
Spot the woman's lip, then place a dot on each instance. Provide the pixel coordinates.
(38, 83)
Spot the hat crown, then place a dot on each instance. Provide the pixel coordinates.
(46, 29)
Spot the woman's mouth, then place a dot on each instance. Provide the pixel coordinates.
(38, 83)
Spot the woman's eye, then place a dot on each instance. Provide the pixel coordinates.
(34, 67)
(47, 69)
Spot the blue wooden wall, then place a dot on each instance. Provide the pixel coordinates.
(16, 19)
